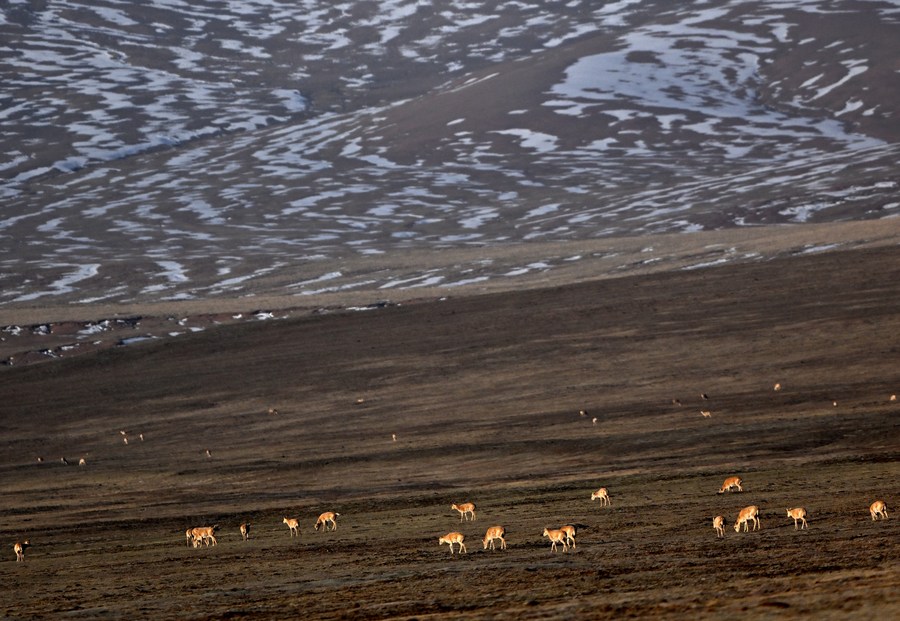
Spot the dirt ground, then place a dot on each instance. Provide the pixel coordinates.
(483, 394)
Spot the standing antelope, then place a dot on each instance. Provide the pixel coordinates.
(494, 532)
(556, 536)
(189, 534)
(878, 508)
(798, 514)
(245, 531)
(731, 482)
(603, 495)
(205, 534)
(294, 525)
(569, 530)
(464, 509)
(20, 550)
(719, 525)
(328, 516)
(450, 539)
(747, 514)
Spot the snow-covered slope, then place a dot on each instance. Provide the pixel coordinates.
(172, 149)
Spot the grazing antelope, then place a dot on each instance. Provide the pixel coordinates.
(556, 536)
(731, 482)
(582, 412)
(20, 550)
(719, 525)
(394, 437)
(594, 420)
(82, 462)
(706, 413)
(198, 542)
(328, 516)
(603, 495)
(893, 398)
(294, 525)
(451, 538)
(205, 534)
(777, 387)
(494, 532)
(464, 509)
(747, 514)
(878, 508)
(245, 531)
(208, 453)
(125, 440)
(676, 401)
(273, 412)
(40, 460)
(704, 396)
(569, 530)
(798, 514)
(64, 461)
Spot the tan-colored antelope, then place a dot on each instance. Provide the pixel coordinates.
(747, 514)
(582, 412)
(19, 548)
(189, 535)
(464, 510)
(603, 495)
(556, 536)
(205, 534)
(731, 482)
(706, 413)
(777, 387)
(719, 525)
(451, 538)
(893, 398)
(294, 525)
(197, 542)
(82, 462)
(494, 532)
(245, 531)
(878, 508)
(569, 530)
(798, 514)
(325, 518)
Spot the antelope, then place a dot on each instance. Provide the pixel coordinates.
(594, 420)
(208, 453)
(878, 508)
(556, 536)
(777, 387)
(494, 532)
(719, 525)
(64, 461)
(569, 530)
(706, 413)
(294, 525)
(82, 462)
(582, 412)
(245, 531)
(273, 412)
(197, 542)
(893, 398)
(394, 437)
(747, 514)
(205, 534)
(189, 535)
(731, 482)
(704, 396)
(464, 509)
(450, 539)
(798, 514)
(603, 495)
(20, 550)
(328, 516)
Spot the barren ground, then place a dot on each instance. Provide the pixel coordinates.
(483, 393)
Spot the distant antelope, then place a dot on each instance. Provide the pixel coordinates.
(777, 387)
(719, 525)
(594, 420)
(556, 536)
(569, 530)
(208, 453)
(893, 398)
(294, 525)
(464, 510)
(273, 411)
(189, 535)
(196, 543)
(798, 514)
(82, 462)
(704, 396)
(20, 550)
(40, 460)
(747, 514)
(451, 538)
(878, 508)
(731, 482)
(494, 532)
(394, 437)
(328, 516)
(64, 461)
(582, 412)
(706, 413)
(603, 495)
(206, 534)
(245, 531)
